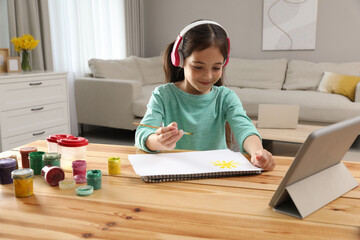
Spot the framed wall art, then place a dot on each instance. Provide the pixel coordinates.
(13, 64)
(4, 54)
(289, 24)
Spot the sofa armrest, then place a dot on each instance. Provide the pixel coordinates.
(357, 93)
(106, 102)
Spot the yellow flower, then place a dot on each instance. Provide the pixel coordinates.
(25, 43)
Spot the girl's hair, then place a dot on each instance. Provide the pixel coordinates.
(196, 39)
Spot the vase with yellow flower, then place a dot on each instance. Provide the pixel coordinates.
(24, 45)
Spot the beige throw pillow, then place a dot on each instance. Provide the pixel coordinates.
(126, 69)
(262, 74)
(151, 70)
(303, 75)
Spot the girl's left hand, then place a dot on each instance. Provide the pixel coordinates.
(263, 159)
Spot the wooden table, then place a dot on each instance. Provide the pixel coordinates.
(297, 135)
(128, 208)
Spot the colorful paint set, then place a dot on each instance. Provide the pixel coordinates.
(48, 165)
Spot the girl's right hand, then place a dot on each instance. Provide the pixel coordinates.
(165, 138)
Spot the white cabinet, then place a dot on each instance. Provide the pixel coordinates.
(32, 106)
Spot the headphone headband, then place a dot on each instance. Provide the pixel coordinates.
(177, 57)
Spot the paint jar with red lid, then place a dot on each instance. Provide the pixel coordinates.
(52, 175)
(52, 141)
(79, 171)
(7, 165)
(25, 156)
(72, 149)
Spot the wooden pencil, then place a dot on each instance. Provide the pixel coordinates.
(140, 124)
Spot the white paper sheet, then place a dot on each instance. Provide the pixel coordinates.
(190, 163)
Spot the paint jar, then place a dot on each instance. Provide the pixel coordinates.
(51, 159)
(67, 184)
(79, 171)
(84, 190)
(93, 178)
(52, 175)
(35, 159)
(114, 166)
(23, 182)
(72, 149)
(52, 141)
(10, 154)
(7, 165)
(25, 156)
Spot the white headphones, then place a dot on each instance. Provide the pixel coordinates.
(177, 57)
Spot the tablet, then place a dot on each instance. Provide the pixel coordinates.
(317, 176)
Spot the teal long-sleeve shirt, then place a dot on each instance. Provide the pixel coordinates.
(204, 115)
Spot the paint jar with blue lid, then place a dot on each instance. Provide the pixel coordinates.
(51, 159)
(7, 165)
(93, 178)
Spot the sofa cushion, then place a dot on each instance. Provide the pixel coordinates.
(264, 74)
(339, 84)
(139, 106)
(303, 75)
(314, 106)
(151, 70)
(126, 69)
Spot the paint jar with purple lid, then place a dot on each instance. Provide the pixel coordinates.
(7, 165)
(79, 171)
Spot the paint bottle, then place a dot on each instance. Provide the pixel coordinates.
(7, 165)
(36, 162)
(25, 156)
(79, 171)
(52, 175)
(23, 182)
(51, 159)
(114, 166)
(93, 178)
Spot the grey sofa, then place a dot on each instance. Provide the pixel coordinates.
(117, 91)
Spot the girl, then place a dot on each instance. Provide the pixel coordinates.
(195, 100)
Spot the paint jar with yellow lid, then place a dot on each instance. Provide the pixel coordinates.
(23, 182)
(114, 166)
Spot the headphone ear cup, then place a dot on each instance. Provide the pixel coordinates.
(175, 58)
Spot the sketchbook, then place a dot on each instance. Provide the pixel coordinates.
(165, 167)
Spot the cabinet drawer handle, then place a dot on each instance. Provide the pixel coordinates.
(37, 109)
(39, 133)
(35, 84)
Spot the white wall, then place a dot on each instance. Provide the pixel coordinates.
(337, 37)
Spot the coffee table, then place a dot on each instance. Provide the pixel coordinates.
(297, 135)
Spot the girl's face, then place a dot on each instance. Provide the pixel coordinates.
(202, 69)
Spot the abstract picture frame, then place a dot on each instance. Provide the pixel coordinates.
(13, 65)
(4, 54)
(289, 24)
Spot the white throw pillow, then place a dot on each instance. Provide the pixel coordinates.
(262, 74)
(126, 69)
(303, 75)
(151, 70)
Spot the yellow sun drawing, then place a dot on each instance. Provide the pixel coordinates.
(225, 164)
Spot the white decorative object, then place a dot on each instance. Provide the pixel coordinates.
(289, 24)
(32, 107)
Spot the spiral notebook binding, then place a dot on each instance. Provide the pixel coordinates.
(182, 177)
